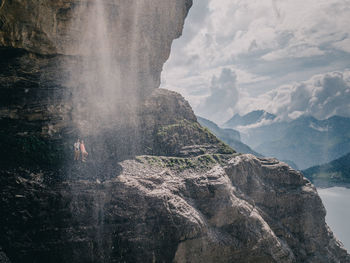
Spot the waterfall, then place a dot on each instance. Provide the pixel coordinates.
(97, 99)
(105, 81)
(97, 80)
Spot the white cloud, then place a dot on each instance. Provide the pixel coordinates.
(266, 43)
(223, 97)
(295, 114)
(343, 45)
(197, 87)
(300, 51)
(299, 27)
(322, 96)
(263, 122)
(319, 128)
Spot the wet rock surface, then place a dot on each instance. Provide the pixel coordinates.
(209, 208)
(42, 72)
(166, 126)
(3, 257)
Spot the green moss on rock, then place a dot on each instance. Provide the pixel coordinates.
(170, 139)
(205, 161)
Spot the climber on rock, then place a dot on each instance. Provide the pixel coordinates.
(84, 153)
(77, 150)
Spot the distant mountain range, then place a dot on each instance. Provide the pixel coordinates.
(305, 141)
(253, 117)
(229, 136)
(334, 173)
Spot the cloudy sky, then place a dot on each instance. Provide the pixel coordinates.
(289, 57)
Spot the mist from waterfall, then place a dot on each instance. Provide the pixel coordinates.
(103, 100)
(100, 76)
(97, 78)
(104, 81)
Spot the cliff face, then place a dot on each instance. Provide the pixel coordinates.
(51, 88)
(203, 203)
(209, 208)
(51, 27)
(157, 186)
(41, 40)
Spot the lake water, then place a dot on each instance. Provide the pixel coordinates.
(337, 203)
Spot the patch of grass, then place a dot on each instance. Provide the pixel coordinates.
(205, 161)
(169, 139)
(221, 159)
(225, 149)
(139, 159)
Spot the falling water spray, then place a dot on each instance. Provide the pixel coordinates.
(105, 104)
(105, 81)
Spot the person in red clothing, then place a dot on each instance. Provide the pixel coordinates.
(83, 151)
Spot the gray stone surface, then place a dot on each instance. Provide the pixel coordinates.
(43, 104)
(41, 50)
(3, 257)
(209, 208)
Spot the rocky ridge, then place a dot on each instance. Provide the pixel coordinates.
(209, 208)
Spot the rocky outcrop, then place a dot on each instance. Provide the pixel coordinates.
(49, 27)
(40, 41)
(166, 126)
(43, 68)
(209, 208)
(3, 257)
(170, 128)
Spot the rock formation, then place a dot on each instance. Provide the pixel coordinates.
(43, 67)
(158, 187)
(209, 208)
(201, 204)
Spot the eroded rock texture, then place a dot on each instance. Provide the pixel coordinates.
(46, 96)
(209, 208)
